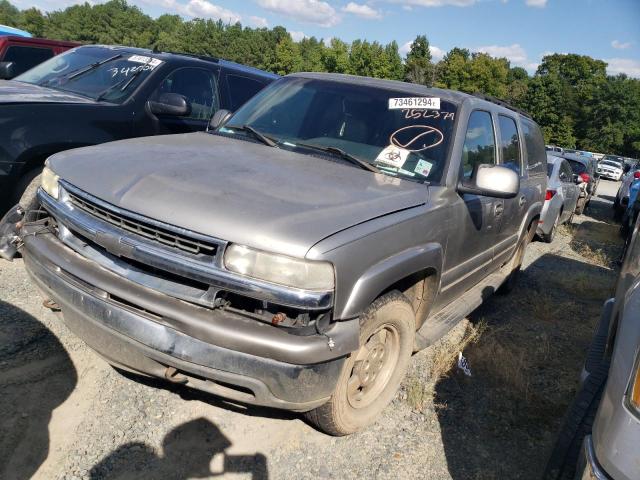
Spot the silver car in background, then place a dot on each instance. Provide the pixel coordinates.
(561, 197)
(601, 434)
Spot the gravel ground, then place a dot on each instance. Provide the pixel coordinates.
(68, 415)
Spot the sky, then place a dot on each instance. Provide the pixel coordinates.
(521, 30)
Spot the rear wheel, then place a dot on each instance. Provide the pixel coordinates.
(581, 205)
(548, 237)
(371, 376)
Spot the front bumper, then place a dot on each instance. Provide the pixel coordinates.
(588, 466)
(213, 350)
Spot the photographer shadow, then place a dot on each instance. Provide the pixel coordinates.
(187, 452)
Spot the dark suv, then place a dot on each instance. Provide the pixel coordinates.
(297, 255)
(95, 94)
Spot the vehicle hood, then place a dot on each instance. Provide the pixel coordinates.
(236, 190)
(20, 92)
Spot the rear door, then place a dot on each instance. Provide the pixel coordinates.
(569, 190)
(510, 154)
(200, 87)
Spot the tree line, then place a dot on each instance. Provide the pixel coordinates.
(571, 96)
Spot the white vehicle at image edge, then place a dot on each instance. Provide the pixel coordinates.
(560, 199)
(611, 169)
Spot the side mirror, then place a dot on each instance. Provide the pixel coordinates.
(492, 181)
(170, 104)
(219, 118)
(7, 70)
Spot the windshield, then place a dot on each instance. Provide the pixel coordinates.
(577, 167)
(94, 72)
(609, 163)
(376, 125)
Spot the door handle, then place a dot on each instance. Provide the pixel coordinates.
(522, 200)
(498, 208)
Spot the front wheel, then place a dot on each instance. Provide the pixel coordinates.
(371, 376)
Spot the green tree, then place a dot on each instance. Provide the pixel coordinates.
(418, 66)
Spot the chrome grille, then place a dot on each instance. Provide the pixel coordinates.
(161, 235)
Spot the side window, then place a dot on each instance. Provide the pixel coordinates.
(566, 175)
(534, 146)
(479, 143)
(509, 143)
(198, 86)
(242, 89)
(25, 58)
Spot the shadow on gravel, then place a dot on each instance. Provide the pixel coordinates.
(36, 375)
(501, 422)
(187, 452)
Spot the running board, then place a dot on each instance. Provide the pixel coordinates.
(437, 325)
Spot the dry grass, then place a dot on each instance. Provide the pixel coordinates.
(444, 357)
(568, 229)
(597, 256)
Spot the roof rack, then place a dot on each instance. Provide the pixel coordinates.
(206, 58)
(502, 103)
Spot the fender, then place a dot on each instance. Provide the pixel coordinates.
(534, 210)
(385, 273)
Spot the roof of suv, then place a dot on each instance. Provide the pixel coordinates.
(166, 56)
(448, 95)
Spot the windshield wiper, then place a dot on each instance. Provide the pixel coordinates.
(342, 154)
(256, 134)
(126, 81)
(93, 66)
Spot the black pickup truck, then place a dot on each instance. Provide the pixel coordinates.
(96, 94)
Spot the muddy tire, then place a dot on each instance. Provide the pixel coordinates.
(580, 207)
(26, 189)
(372, 375)
(548, 237)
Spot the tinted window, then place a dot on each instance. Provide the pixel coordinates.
(26, 58)
(577, 167)
(549, 169)
(566, 175)
(509, 143)
(534, 146)
(197, 86)
(242, 89)
(479, 143)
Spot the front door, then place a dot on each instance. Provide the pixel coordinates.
(199, 87)
(475, 219)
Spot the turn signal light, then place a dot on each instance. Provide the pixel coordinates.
(550, 194)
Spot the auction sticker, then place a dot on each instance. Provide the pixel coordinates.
(431, 103)
(152, 62)
(393, 156)
(423, 168)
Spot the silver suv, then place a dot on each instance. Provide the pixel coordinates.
(296, 254)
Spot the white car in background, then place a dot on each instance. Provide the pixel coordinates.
(611, 169)
(561, 197)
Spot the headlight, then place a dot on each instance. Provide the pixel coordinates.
(50, 182)
(293, 272)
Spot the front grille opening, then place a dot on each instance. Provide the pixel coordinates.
(152, 232)
(132, 306)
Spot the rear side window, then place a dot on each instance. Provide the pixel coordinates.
(242, 89)
(25, 58)
(479, 143)
(549, 169)
(534, 146)
(509, 143)
(577, 167)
